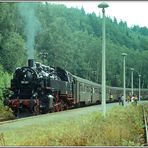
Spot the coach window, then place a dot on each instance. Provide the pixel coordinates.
(93, 90)
(96, 91)
(88, 89)
(84, 88)
(81, 87)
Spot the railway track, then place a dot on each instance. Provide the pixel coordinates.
(145, 126)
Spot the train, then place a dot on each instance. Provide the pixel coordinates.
(38, 89)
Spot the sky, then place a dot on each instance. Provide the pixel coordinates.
(133, 12)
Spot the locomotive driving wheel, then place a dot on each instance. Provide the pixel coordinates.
(64, 105)
(36, 110)
(16, 112)
(61, 105)
(57, 102)
(53, 108)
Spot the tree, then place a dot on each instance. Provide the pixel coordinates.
(12, 52)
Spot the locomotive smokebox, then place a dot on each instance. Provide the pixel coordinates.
(31, 62)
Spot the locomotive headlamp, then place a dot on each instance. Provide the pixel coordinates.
(35, 94)
(50, 97)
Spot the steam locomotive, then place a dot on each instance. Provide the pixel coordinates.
(38, 89)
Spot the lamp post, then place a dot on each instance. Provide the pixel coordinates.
(132, 69)
(139, 86)
(103, 5)
(124, 91)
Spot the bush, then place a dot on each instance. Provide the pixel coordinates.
(4, 82)
(6, 114)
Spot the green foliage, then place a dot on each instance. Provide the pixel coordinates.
(12, 51)
(4, 83)
(73, 40)
(6, 114)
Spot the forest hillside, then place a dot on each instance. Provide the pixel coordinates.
(72, 40)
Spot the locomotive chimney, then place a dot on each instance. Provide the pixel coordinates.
(31, 63)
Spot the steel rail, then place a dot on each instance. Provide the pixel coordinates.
(145, 126)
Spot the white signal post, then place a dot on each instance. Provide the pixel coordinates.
(103, 5)
(139, 86)
(132, 70)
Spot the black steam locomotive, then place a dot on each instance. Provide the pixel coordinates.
(40, 89)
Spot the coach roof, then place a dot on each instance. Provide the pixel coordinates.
(85, 81)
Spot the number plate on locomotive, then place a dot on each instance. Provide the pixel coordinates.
(24, 82)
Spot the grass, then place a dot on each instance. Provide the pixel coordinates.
(121, 127)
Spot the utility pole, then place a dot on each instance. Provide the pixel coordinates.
(132, 69)
(103, 5)
(124, 79)
(139, 86)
